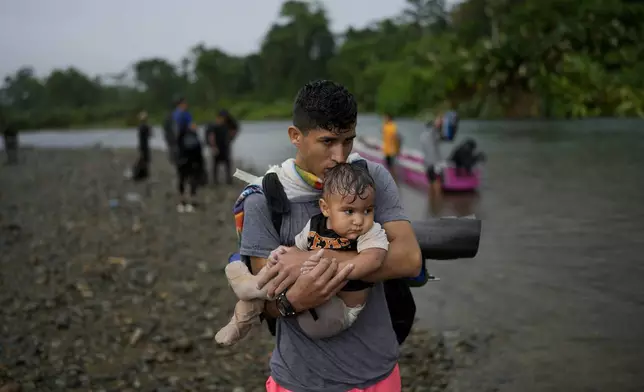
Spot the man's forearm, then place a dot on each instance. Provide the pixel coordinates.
(404, 259)
(365, 263)
(399, 263)
(390, 269)
(385, 272)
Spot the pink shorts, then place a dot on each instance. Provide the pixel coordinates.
(389, 384)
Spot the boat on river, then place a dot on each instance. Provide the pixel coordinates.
(410, 167)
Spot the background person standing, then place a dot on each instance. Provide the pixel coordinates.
(390, 142)
(219, 137)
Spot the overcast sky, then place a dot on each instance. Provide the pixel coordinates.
(101, 36)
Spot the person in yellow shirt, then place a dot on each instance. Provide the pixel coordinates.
(390, 141)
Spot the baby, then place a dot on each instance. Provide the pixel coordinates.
(346, 223)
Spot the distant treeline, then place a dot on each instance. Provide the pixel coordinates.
(485, 58)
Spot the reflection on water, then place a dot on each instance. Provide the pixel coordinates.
(558, 278)
(452, 204)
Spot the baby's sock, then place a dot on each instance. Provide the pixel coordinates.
(244, 283)
(245, 316)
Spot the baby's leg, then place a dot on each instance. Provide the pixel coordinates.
(245, 316)
(330, 320)
(335, 315)
(244, 283)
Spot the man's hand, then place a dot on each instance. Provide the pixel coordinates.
(318, 285)
(285, 267)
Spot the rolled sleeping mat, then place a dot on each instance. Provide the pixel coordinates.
(448, 238)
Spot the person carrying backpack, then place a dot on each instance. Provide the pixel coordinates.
(190, 167)
(365, 355)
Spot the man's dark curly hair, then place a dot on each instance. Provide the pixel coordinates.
(323, 104)
(346, 179)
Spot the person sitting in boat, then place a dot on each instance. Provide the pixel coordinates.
(391, 141)
(346, 223)
(466, 156)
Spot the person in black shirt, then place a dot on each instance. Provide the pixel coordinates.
(144, 138)
(190, 166)
(232, 124)
(219, 136)
(466, 156)
(10, 136)
(141, 168)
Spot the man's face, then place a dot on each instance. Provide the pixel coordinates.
(320, 149)
(183, 106)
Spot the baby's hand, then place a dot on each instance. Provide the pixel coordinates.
(273, 258)
(309, 265)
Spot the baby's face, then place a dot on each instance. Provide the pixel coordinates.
(349, 218)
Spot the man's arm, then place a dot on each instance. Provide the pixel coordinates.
(366, 263)
(403, 260)
(314, 288)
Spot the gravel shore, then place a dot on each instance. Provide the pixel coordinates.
(105, 287)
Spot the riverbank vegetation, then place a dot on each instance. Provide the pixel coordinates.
(485, 58)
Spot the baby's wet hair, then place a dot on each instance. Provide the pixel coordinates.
(348, 179)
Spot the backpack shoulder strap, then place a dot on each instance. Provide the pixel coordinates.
(276, 199)
(361, 163)
(279, 206)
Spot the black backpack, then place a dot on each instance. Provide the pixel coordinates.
(191, 141)
(400, 301)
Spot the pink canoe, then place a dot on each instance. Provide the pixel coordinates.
(410, 167)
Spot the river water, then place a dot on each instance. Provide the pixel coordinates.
(559, 279)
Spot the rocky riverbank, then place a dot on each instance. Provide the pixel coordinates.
(105, 287)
